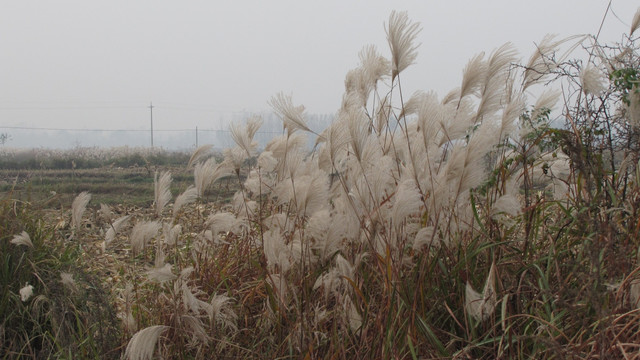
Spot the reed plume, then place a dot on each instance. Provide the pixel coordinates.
(401, 35)
(162, 190)
(78, 207)
(22, 239)
(482, 306)
(143, 343)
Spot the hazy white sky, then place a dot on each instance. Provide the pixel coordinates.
(98, 64)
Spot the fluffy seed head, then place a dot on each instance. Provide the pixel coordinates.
(142, 233)
(592, 80)
(143, 343)
(292, 116)
(67, 280)
(78, 207)
(188, 196)
(481, 306)
(401, 35)
(26, 292)
(635, 23)
(115, 227)
(22, 239)
(162, 191)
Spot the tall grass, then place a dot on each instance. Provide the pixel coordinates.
(50, 305)
(461, 226)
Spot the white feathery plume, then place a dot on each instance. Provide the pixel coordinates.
(432, 116)
(455, 120)
(161, 274)
(593, 80)
(401, 35)
(234, 158)
(538, 65)
(293, 164)
(143, 343)
(414, 103)
(452, 97)
(170, 234)
(318, 225)
(542, 61)
(162, 190)
(500, 60)
(114, 228)
(187, 197)
(510, 113)
(222, 222)
(358, 126)
(309, 194)
(337, 138)
(493, 93)
(126, 314)
(336, 280)
(278, 254)
(243, 135)
(195, 327)
(407, 202)
(253, 184)
(159, 260)
(243, 206)
(635, 23)
(207, 173)
(26, 292)
(508, 203)
(279, 285)
(354, 319)
(281, 146)
(356, 87)
(266, 161)
(546, 101)
(481, 306)
(200, 152)
(203, 175)
(142, 233)
(374, 65)
(22, 239)
(292, 116)
(190, 300)
(480, 143)
(222, 312)
(465, 164)
(279, 221)
(78, 207)
(107, 213)
(382, 116)
(474, 76)
(424, 238)
(67, 280)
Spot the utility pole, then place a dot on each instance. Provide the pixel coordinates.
(196, 137)
(151, 109)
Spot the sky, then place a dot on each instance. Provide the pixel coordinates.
(99, 64)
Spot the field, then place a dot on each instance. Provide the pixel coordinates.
(108, 185)
(460, 226)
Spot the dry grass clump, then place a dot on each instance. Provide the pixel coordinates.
(461, 226)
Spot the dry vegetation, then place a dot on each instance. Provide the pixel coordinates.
(461, 226)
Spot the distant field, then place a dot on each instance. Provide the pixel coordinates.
(109, 185)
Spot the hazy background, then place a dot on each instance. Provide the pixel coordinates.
(98, 64)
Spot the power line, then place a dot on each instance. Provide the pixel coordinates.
(126, 130)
